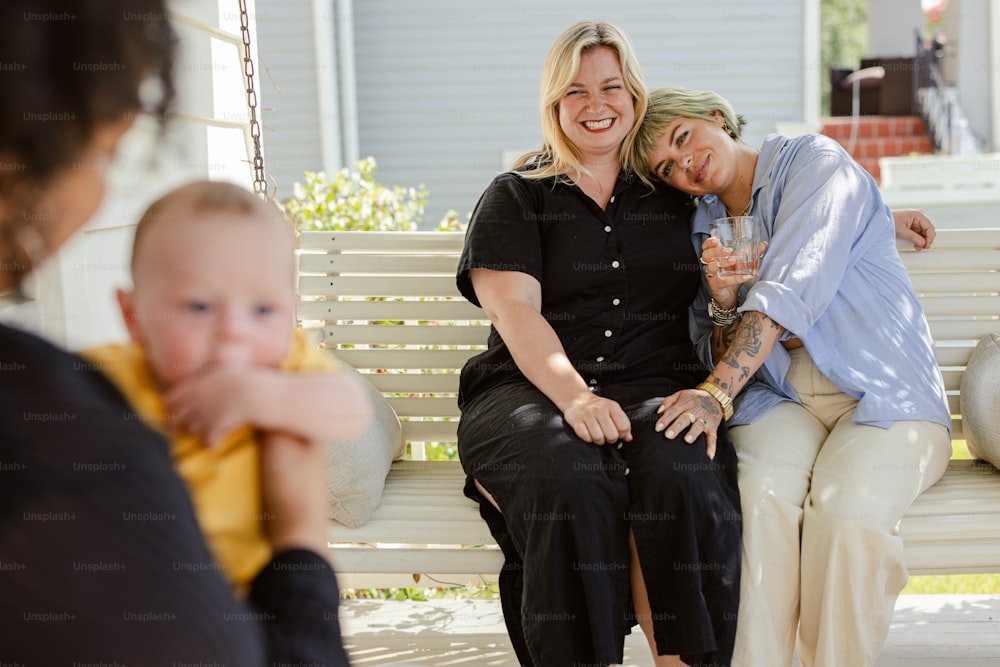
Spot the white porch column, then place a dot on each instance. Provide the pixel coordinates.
(994, 74)
(972, 37)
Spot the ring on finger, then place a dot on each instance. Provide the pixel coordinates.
(690, 415)
(702, 260)
(709, 275)
(704, 423)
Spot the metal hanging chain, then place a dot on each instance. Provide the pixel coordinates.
(259, 178)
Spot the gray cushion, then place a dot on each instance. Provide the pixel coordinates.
(356, 469)
(980, 392)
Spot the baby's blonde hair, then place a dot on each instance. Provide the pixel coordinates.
(201, 197)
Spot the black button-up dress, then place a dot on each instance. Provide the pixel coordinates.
(616, 288)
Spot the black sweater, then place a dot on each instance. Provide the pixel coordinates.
(101, 557)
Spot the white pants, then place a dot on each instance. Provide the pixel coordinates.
(822, 498)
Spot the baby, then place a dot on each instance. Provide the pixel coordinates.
(216, 363)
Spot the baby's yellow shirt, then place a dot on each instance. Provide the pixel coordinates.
(224, 481)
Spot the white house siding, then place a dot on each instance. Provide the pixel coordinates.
(444, 87)
(288, 90)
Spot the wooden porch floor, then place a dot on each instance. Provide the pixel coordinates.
(953, 630)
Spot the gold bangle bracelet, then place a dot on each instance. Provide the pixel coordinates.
(725, 401)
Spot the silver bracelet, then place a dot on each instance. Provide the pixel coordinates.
(723, 317)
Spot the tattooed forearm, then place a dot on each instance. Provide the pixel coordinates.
(746, 340)
(749, 345)
(722, 338)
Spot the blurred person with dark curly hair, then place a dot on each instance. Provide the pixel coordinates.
(101, 557)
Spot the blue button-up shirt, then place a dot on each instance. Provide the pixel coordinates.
(832, 277)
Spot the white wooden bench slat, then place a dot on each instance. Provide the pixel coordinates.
(414, 382)
(395, 264)
(953, 527)
(429, 431)
(455, 562)
(940, 180)
(956, 238)
(952, 379)
(972, 488)
(954, 406)
(406, 334)
(929, 285)
(387, 286)
(381, 286)
(944, 557)
(981, 305)
(942, 171)
(950, 532)
(404, 580)
(458, 310)
(953, 355)
(419, 432)
(396, 242)
(429, 492)
(983, 258)
(415, 529)
(443, 521)
(917, 198)
(410, 471)
(420, 406)
(950, 352)
(949, 507)
(962, 329)
(412, 359)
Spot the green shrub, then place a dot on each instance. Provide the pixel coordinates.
(353, 200)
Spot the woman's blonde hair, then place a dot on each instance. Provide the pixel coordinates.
(558, 156)
(664, 106)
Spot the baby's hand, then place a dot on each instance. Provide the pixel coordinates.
(215, 403)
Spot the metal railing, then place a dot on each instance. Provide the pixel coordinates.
(939, 107)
